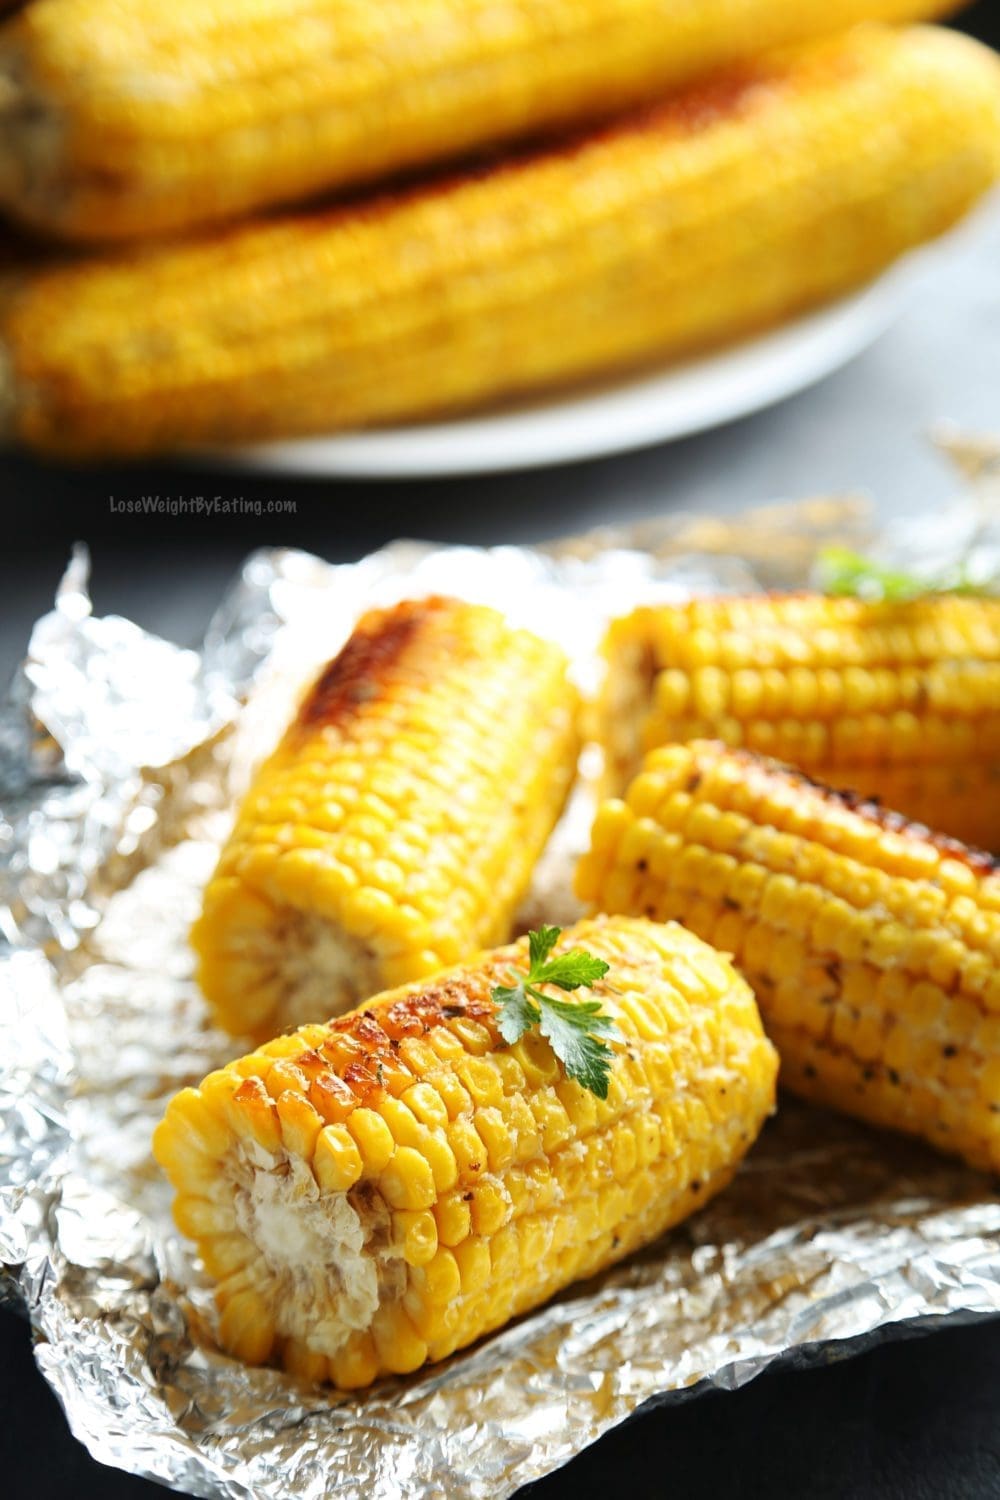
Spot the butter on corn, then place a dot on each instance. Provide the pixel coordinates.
(396, 827)
(383, 1190)
(895, 700)
(130, 120)
(873, 946)
(726, 209)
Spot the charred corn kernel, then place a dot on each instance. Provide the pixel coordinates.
(251, 1113)
(881, 999)
(407, 675)
(344, 326)
(403, 1231)
(901, 701)
(122, 125)
(299, 1123)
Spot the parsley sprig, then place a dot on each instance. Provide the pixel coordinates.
(840, 571)
(573, 1028)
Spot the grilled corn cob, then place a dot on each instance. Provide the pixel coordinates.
(396, 827)
(730, 207)
(873, 946)
(383, 1190)
(130, 120)
(899, 701)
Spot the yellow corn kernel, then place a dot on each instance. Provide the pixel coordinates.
(246, 1329)
(453, 1217)
(356, 1364)
(408, 1182)
(876, 1008)
(373, 1139)
(337, 1162)
(473, 1260)
(490, 1207)
(416, 1233)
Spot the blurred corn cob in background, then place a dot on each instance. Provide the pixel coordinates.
(895, 700)
(396, 827)
(727, 209)
(381, 1191)
(130, 119)
(873, 947)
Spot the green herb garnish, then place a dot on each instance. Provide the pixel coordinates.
(573, 1028)
(840, 571)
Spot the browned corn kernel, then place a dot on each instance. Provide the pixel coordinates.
(400, 1237)
(895, 700)
(872, 945)
(379, 876)
(787, 184)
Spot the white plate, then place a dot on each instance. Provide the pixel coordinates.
(629, 413)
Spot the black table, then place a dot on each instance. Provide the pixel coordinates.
(917, 1420)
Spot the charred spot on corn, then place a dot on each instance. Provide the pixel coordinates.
(356, 675)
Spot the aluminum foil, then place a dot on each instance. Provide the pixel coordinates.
(120, 757)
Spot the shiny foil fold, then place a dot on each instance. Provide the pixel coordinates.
(120, 757)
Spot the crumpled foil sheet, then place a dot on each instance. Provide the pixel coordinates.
(120, 756)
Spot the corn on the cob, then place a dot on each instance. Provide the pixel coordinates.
(383, 1190)
(130, 120)
(395, 828)
(873, 946)
(732, 206)
(899, 701)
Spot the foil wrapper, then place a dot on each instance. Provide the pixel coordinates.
(120, 758)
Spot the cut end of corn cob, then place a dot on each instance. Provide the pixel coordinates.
(122, 121)
(385, 1189)
(788, 183)
(873, 945)
(396, 827)
(896, 700)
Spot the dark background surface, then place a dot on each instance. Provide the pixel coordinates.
(917, 1420)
